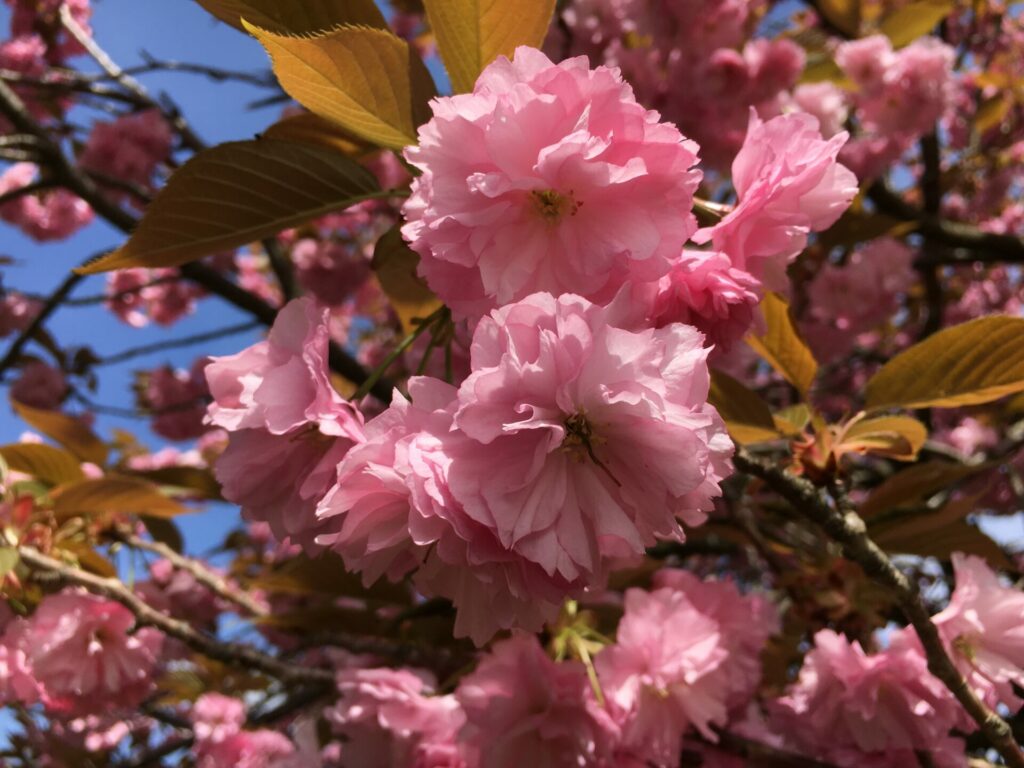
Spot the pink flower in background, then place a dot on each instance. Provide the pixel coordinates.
(789, 185)
(855, 709)
(138, 295)
(546, 178)
(216, 717)
(825, 101)
(246, 749)
(704, 290)
(745, 623)
(277, 401)
(664, 674)
(78, 649)
(177, 593)
(40, 385)
(523, 709)
(129, 148)
(177, 400)
(392, 718)
(329, 270)
(983, 629)
(17, 312)
(28, 16)
(52, 214)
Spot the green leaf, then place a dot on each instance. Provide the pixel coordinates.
(746, 415)
(783, 347)
(895, 437)
(473, 33)
(114, 494)
(913, 20)
(44, 462)
(9, 559)
(368, 81)
(976, 362)
(296, 16)
(70, 432)
(237, 193)
(395, 263)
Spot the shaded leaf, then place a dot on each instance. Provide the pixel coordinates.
(91, 560)
(992, 112)
(200, 481)
(326, 575)
(237, 193)
(473, 33)
(308, 128)
(165, 531)
(44, 462)
(782, 345)
(70, 432)
(895, 437)
(976, 362)
(746, 415)
(911, 21)
(114, 494)
(915, 485)
(296, 16)
(939, 533)
(844, 15)
(366, 80)
(395, 264)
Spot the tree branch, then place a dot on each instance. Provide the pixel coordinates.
(210, 579)
(234, 654)
(844, 525)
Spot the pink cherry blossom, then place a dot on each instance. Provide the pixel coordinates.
(392, 718)
(515, 492)
(663, 674)
(704, 290)
(827, 102)
(29, 16)
(52, 214)
(789, 185)
(329, 270)
(855, 709)
(983, 629)
(138, 295)
(17, 312)
(246, 749)
(546, 178)
(176, 398)
(128, 148)
(588, 440)
(216, 717)
(523, 709)
(40, 385)
(78, 649)
(745, 623)
(276, 400)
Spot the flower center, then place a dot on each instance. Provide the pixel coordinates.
(579, 442)
(553, 205)
(963, 645)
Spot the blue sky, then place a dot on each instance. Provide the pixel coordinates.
(169, 29)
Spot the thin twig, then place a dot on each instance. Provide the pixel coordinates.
(205, 576)
(234, 654)
(187, 341)
(844, 525)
